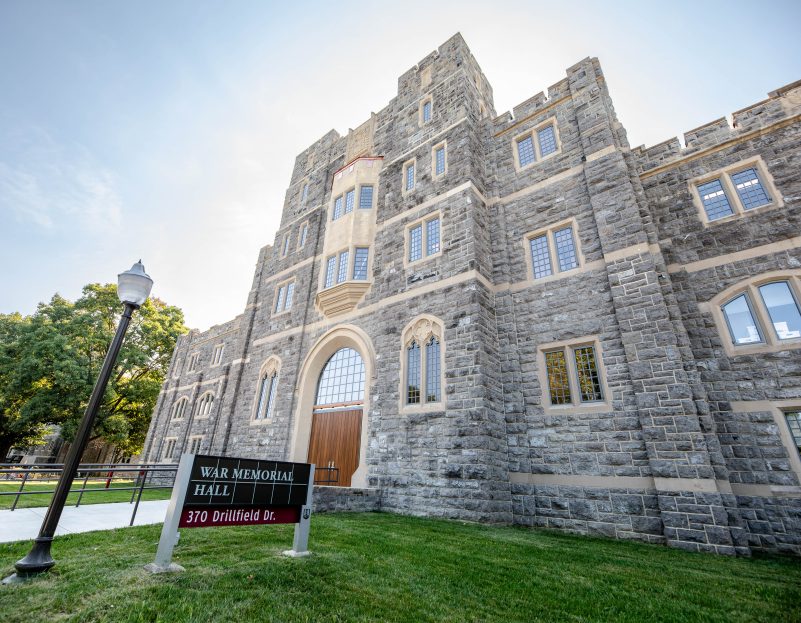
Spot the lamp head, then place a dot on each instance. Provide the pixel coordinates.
(133, 286)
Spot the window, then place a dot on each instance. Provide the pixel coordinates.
(285, 246)
(216, 357)
(426, 110)
(535, 144)
(329, 271)
(422, 363)
(304, 232)
(360, 263)
(194, 444)
(169, 449)
(343, 266)
(365, 197)
(342, 379)
(193, 361)
(283, 297)
(266, 390)
(336, 268)
(772, 305)
(423, 239)
(304, 193)
(794, 424)
(205, 404)
(572, 375)
(733, 191)
(179, 408)
(337, 208)
(439, 160)
(553, 250)
(349, 200)
(408, 176)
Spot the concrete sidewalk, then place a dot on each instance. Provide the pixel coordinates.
(24, 523)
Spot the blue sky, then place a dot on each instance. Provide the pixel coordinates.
(168, 130)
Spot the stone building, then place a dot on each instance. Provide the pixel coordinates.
(519, 318)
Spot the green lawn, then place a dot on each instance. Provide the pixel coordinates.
(382, 567)
(101, 496)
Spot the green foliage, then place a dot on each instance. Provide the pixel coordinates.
(50, 360)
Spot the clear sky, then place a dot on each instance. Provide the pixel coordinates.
(167, 130)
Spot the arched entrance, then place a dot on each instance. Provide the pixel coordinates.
(337, 418)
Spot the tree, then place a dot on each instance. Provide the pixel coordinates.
(49, 363)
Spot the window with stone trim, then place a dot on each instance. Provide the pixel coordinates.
(338, 266)
(194, 444)
(734, 191)
(423, 238)
(216, 356)
(572, 374)
(284, 294)
(285, 245)
(553, 250)
(426, 110)
(360, 257)
(763, 312)
(793, 419)
(205, 404)
(303, 233)
(194, 358)
(408, 176)
(179, 408)
(169, 449)
(536, 144)
(304, 194)
(266, 390)
(365, 197)
(421, 362)
(439, 160)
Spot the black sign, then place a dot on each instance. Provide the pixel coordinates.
(221, 481)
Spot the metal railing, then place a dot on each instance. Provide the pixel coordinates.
(142, 477)
(326, 475)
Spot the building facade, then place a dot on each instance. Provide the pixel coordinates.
(522, 319)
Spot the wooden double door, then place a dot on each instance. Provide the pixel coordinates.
(334, 443)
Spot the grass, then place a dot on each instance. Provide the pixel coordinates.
(98, 495)
(382, 567)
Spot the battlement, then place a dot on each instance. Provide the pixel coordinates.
(783, 104)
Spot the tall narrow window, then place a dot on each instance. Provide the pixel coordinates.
(290, 291)
(365, 197)
(279, 299)
(169, 449)
(794, 424)
(343, 267)
(194, 445)
(304, 231)
(540, 257)
(439, 160)
(416, 243)
(350, 198)
(432, 370)
(426, 111)
(267, 389)
(413, 374)
(750, 189)
(285, 246)
(337, 208)
(740, 318)
(409, 176)
(525, 150)
(558, 379)
(587, 370)
(716, 203)
(330, 263)
(193, 360)
(305, 193)
(360, 263)
(547, 141)
(782, 309)
(432, 236)
(205, 404)
(216, 357)
(179, 408)
(565, 248)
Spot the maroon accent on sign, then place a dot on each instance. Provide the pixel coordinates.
(206, 517)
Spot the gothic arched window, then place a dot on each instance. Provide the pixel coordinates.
(422, 362)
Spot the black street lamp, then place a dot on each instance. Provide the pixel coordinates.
(133, 288)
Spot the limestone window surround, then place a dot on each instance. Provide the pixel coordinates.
(428, 375)
(423, 239)
(552, 252)
(169, 449)
(439, 160)
(284, 294)
(193, 361)
(735, 192)
(179, 408)
(303, 234)
(216, 356)
(345, 278)
(545, 142)
(426, 111)
(573, 371)
(768, 336)
(285, 245)
(195, 443)
(266, 390)
(204, 405)
(409, 177)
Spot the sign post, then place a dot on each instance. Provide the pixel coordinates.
(224, 491)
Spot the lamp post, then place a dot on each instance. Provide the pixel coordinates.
(133, 288)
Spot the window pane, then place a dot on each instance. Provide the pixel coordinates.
(741, 322)
(303, 231)
(305, 192)
(432, 236)
(360, 263)
(290, 290)
(547, 140)
(540, 257)
(279, 300)
(410, 177)
(432, 371)
(426, 112)
(343, 267)
(366, 197)
(285, 249)
(337, 208)
(558, 385)
(525, 151)
(588, 377)
(263, 387)
(751, 191)
(413, 374)
(271, 395)
(565, 248)
(794, 424)
(342, 378)
(714, 199)
(350, 198)
(329, 271)
(782, 308)
(415, 243)
(440, 161)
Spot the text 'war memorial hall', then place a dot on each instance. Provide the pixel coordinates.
(519, 318)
